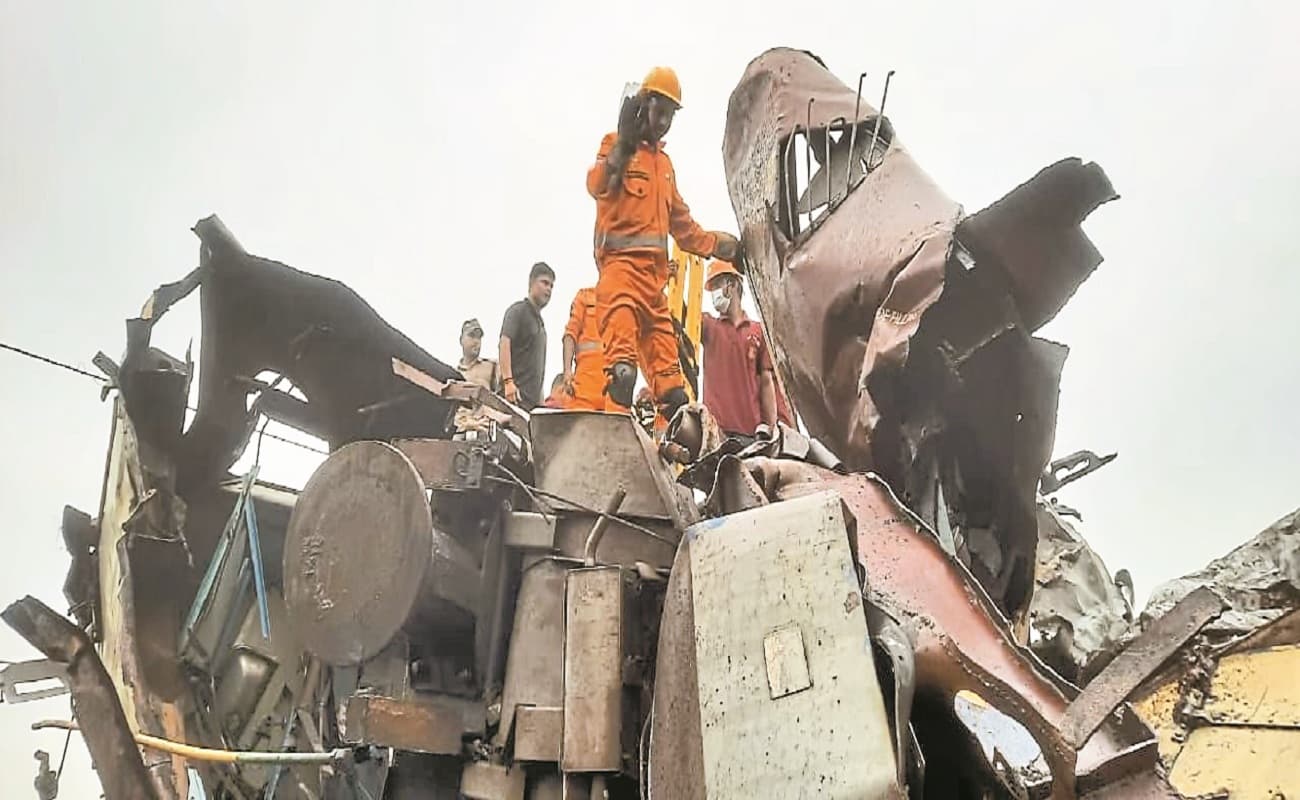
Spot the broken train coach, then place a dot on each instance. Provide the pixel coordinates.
(543, 612)
(550, 610)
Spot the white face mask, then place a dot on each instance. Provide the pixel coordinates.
(721, 302)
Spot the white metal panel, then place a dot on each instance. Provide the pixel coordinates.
(786, 714)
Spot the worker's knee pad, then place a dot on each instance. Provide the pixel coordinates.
(672, 401)
(622, 383)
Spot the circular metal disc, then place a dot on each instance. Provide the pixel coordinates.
(359, 542)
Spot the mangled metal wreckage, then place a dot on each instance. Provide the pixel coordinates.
(553, 609)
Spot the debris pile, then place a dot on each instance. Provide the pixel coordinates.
(563, 605)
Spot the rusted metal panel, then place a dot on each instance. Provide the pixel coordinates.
(789, 700)
(423, 724)
(140, 582)
(104, 725)
(454, 466)
(1032, 236)
(482, 780)
(1142, 657)
(362, 559)
(593, 670)
(539, 733)
(535, 663)
(902, 351)
(962, 642)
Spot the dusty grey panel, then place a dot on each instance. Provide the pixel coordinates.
(757, 577)
(593, 670)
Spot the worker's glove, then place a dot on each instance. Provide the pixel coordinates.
(631, 122)
(727, 248)
(763, 433)
(631, 129)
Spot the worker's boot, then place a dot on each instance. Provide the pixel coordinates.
(622, 383)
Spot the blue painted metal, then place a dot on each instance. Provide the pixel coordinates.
(208, 584)
(255, 551)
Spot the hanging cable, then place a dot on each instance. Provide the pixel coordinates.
(52, 362)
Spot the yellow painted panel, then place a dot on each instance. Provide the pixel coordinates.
(1249, 763)
(1257, 687)
(1157, 711)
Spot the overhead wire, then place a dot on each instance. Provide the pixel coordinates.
(51, 361)
(102, 379)
(624, 521)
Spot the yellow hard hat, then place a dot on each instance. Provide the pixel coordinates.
(663, 81)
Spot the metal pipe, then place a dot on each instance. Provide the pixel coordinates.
(193, 753)
(829, 125)
(880, 114)
(791, 172)
(807, 158)
(598, 529)
(853, 137)
(308, 688)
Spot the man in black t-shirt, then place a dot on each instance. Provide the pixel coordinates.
(522, 353)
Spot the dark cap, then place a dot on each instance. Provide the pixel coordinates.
(469, 326)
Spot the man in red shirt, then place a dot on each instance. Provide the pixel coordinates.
(739, 384)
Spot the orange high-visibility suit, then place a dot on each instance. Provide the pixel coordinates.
(589, 370)
(633, 222)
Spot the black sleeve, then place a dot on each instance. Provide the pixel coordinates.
(511, 325)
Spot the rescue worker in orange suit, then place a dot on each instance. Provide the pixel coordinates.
(584, 359)
(637, 207)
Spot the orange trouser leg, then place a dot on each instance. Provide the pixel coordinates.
(635, 325)
(659, 346)
(589, 382)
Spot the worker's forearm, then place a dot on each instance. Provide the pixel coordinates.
(570, 351)
(503, 358)
(767, 398)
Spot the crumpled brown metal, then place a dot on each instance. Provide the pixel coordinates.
(902, 327)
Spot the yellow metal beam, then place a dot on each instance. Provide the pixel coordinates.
(685, 292)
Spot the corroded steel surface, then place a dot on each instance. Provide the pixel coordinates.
(362, 558)
(108, 737)
(901, 327)
(962, 641)
(1136, 662)
(422, 725)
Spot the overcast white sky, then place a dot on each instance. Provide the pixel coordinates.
(428, 155)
